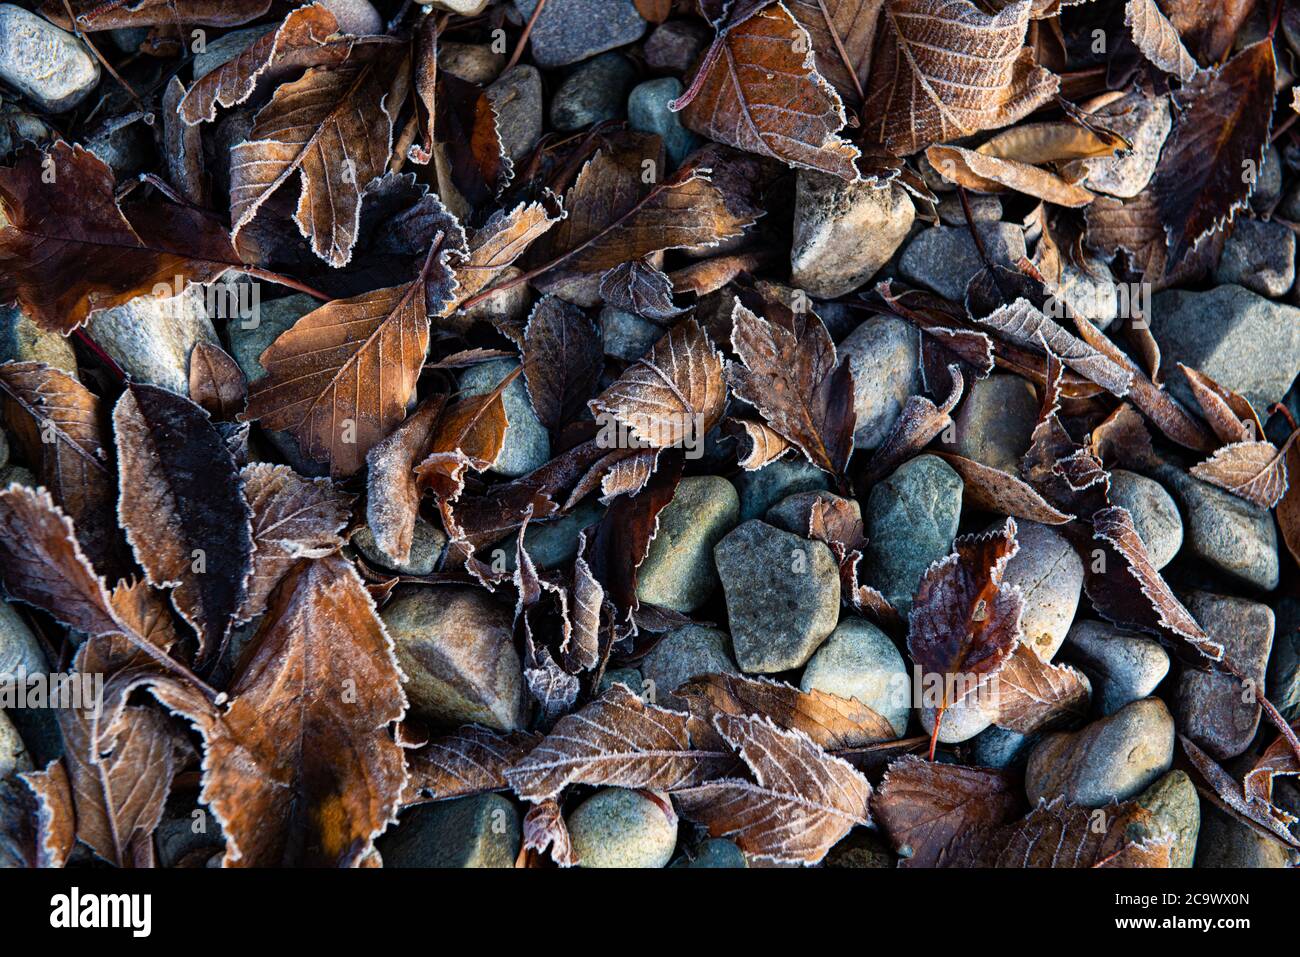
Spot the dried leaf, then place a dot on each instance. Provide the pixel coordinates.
(392, 494)
(1156, 37)
(471, 760)
(96, 15)
(800, 803)
(56, 824)
(758, 89)
(562, 359)
(639, 288)
(1223, 790)
(1255, 471)
(618, 740)
(295, 776)
(761, 443)
(1229, 414)
(917, 424)
(993, 490)
(944, 69)
(842, 34)
(181, 509)
(544, 827)
(498, 243)
(992, 174)
(1034, 694)
(216, 382)
(292, 518)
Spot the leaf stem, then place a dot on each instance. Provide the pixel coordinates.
(523, 37)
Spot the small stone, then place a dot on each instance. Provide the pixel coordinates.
(593, 92)
(359, 17)
(996, 422)
(567, 31)
(1268, 182)
(1260, 256)
(962, 721)
(250, 338)
(176, 324)
(996, 747)
(647, 111)
(983, 209)
(624, 676)
(1213, 708)
(911, 519)
(19, 650)
(517, 97)
(1123, 666)
(473, 62)
(21, 340)
(783, 595)
(1176, 812)
(1284, 666)
(177, 842)
(861, 849)
(456, 648)
(19, 125)
(427, 546)
(620, 828)
(678, 570)
(715, 852)
(1228, 532)
(673, 46)
(1049, 574)
(793, 512)
(1240, 340)
(844, 232)
(554, 543)
(13, 753)
(479, 831)
(129, 39)
(1088, 291)
(527, 443)
(761, 489)
(944, 258)
(628, 336)
(1226, 842)
(225, 48)
(1155, 515)
(859, 661)
(884, 354)
(1145, 121)
(49, 66)
(465, 8)
(1111, 759)
(17, 475)
(681, 655)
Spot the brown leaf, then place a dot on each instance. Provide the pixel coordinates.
(56, 821)
(181, 509)
(944, 69)
(919, 421)
(801, 802)
(1205, 175)
(829, 721)
(544, 827)
(962, 623)
(760, 444)
(470, 435)
(993, 490)
(758, 89)
(470, 760)
(69, 249)
(499, 242)
(299, 41)
(842, 34)
(56, 422)
(301, 767)
(471, 162)
(1255, 471)
(1135, 227)
(341, 377)
(1034, 694)
(637, 287)
(790, 373)
(335, 126)
(562, 359)
(96, 15)
(1126, 589)
(1288, 509)
(924, 806)
(1229, 414)
(1223, 791)
(673, 393)
(618, 740)
(1037, 144)
(1278, 760)
(292, 518)
(216, 381)
(1156, 37)
(1209, 27)
(992, 174)
(392, 494)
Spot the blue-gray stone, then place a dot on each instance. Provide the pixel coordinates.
(647, 111)
(567, 31)
(761, 489)
(478, 831)
(527, 443)
(593, 92)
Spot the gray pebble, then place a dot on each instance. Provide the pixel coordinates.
(1049, 574)
(517, 97)
(1155, 515)
(678, 570)
(1260, 256)
(884, 354)
(794, 512)
(620, 828)
(983, 209)
(944, 258)
(593, 92)
(681, 655)
(49, 66)
(1145, 121)
(474, 62)
(844, 232)
(1124, 666)
(527, 443)
(761, 489)
(1225, 841)
(427, 546)
(996, 421)
(1176, 812)
(673, 45)
(21, 340)
(478, 831)
(13, 753)
(859, 661)
(162, 358)
(1284, 666)
(567, 31)
(647, 111)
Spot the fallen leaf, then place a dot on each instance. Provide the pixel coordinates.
(562, 360)
(392, 493)
(470, 760)
(992, 174)
(1034, 694)
(216, 382)
(1158, 40)
(1255, 471)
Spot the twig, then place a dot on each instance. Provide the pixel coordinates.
(100, 57)
(523, 37)
(839, 48)
(279, 279)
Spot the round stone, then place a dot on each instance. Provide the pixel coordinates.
(681, 655)
(678, 571)
(1049, 574)
(884, 354)
(859, 661)
(996, 421)
(1155, 514)
(616, 827)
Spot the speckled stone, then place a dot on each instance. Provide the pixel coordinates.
(527, 443)
(944, 258)
(681, 655)
(625, 676)
(177, 324)
(1145, 121)
(1212, 707)
(568, 31)
(1049, 574)
(427, 546)
(761, 489)
(1155, 514)
(479, 831)
(49, 66)
(1123, 665)
(1111, 759)
(911, 519)
(593, 92)
(1176, 808)
(1260, 256)
(21, 340)
(884, 354)
(678, 571)
(715, 852)
(844, 232)
(517, 97)
(783, 595)
(620, 828)
(859, 661)
(995, 422)
(456, 648)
